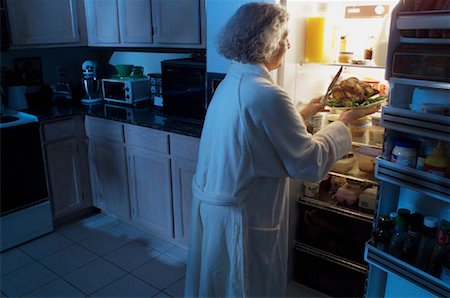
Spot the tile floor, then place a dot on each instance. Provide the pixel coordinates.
(99, 257)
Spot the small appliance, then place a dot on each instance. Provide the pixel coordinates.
(156, 89)
(61, 92)
(184, 87)
(90, 83)
(127, 90)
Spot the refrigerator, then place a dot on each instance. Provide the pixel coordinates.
(339, 268)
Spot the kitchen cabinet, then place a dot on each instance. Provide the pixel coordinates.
(184, 152)
(150, 179)
(145, 23)
(46, 23)
(67, 166)
(108, 166)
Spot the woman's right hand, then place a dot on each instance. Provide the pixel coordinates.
(350, 115)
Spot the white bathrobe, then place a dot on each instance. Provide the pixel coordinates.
(252, 140)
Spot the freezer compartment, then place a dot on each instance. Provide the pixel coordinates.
(335, 232)
(390, 264)
(328, 273)
(431, 185)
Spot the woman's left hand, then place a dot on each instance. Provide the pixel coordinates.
(312, 108)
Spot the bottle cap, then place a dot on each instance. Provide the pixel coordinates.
(430, 222)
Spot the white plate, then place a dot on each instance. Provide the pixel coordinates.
(361, 107)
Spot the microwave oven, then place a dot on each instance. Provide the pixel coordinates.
(127, 91)
(184, 87)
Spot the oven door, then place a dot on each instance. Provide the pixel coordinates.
(115, 91)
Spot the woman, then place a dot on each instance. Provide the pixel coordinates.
(253, 139)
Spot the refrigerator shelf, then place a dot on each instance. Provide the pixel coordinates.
(423, 20)
(330, 257)
(416, 123)
(356, 175)
(331, 205)
(420, 83)
(431, 185)
(390, 264)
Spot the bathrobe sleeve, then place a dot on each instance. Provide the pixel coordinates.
(279, 142)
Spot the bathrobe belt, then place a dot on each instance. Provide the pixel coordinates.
(214, 199)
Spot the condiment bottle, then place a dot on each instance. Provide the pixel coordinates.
(427, 242)
(437, 162)
(400, 233)
(382, 234)
(425, 149)
(412, 241)
(440, 250)
(404, 153)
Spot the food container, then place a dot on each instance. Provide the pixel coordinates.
(345, 57)
(348, 194)
(433, 108)
(367, 199)
(359, 130)
(366, 158)
(345, 164)
(376, 119)
(376, 135)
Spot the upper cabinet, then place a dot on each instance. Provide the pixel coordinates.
(145, 23)
(46, 22)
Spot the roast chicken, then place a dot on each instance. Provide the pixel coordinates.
(352, 90)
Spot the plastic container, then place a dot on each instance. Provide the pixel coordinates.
(368, 198)
(345, 164)
(314, 39)
(376, 135)
(366, 158)
(345, 57)
(348, 193)
(404, 153)
(358, 131)
(433, 108)
(437, 162)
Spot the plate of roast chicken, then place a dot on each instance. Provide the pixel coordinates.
(353, 93)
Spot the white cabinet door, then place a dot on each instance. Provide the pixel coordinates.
(178, 22)
(184, 162)
(102, 19)
(135, 22)
(150, 189)
(43, 22)
(109, 177)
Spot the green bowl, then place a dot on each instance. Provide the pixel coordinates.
(124, 70)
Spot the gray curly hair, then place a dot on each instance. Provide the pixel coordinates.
(254, 33)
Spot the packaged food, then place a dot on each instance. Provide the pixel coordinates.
(404, 153)
(368, 198)
(348, 193)
(437, 162)
(345, 164)
(366, 158)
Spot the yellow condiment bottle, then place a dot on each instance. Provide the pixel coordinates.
(437, 162)
(315, 39)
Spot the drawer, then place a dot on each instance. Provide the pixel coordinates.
(105, 129)
(147, 138)
(184, 146)
(59, 130)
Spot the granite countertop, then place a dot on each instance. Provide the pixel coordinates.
(142, 115)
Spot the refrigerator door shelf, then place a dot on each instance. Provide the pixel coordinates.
(431, 185)
(390, 264)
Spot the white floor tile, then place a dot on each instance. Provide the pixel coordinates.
(156, 242)
(178, 253)
(176, 289)
(161, 272)
(105, 242)
(25, 279)
(162, 295)
(128, 230)
(127, 286)
(94, 276)
(79, 231)
(104, 220)
(68, 259)
(13, 259)
(57, 288)
(46, 245)
(132, 255)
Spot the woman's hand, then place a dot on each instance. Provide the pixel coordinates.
(312, 108)
(350, 115)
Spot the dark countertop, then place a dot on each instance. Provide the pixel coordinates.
(143, 115)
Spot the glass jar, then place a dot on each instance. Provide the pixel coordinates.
(404, 153)
(345, 57)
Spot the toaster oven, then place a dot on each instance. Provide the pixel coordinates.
(127, 91)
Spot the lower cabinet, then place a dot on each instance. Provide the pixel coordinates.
(108, 167)
(143, 175)
(67, 166)
(184, 151)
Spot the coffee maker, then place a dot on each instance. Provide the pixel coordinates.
(91, 84)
